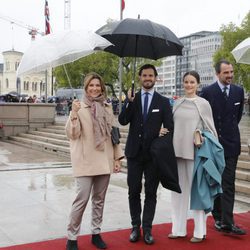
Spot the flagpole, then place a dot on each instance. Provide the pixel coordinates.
(120, 62)
(47, 31)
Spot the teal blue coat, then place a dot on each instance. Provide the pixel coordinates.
(209, 164)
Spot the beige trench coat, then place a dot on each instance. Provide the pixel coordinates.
(86, 160)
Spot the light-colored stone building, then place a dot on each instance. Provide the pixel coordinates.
(198, 52)
(32, 84)
(166, 77)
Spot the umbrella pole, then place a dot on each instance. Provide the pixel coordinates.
(66, 72)
(120, 66)
(133, 79)
(120, 85)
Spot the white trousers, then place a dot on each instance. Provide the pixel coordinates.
(98, 185)
(180, 203)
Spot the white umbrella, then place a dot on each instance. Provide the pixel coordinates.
(60, 48)
(241, 52)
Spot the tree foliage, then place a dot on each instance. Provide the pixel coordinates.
(232, 36)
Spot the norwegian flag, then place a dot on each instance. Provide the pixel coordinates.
(123, 5)
(46, 14)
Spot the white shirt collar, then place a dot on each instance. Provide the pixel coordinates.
(151, 92)
(222, 86)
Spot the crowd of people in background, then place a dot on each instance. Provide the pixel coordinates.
(64, 104)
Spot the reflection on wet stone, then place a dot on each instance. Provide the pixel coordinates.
(63, 181)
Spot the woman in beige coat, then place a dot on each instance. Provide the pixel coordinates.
(93, 157)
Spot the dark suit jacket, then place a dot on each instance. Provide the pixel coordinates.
(227, 115)
(162, 151)
(141, 135)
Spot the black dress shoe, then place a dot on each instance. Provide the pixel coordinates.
(217, 225)
(148, 238)
(98, 242)
(135, 234)
(232, 229)
(71, 245)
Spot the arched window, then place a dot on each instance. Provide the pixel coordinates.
(26, 85)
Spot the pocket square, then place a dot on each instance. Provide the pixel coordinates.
(237, 103)
(155, 110)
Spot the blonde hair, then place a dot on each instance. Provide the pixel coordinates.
(89, 77)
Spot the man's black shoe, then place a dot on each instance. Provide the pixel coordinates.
(233, 229)
(71, 245)
(148, 238)
(135, 234)
(217, 225)
(98, 242)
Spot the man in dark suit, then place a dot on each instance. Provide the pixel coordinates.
(146, 112)
(226, 100)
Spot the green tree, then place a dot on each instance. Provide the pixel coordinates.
(232, 36)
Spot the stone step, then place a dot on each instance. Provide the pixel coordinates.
(244, 156)
(242, 187)
(243, 175)
(44, 146)
(56, 127)
(244, 148)
(245, 140)
(243, 165)
(51, 135)
(45, 139)
(242, 198)
(50, 130)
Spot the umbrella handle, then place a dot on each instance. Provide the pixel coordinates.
(133, 89)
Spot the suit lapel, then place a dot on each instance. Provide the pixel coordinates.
(138, 103)
(231, 93)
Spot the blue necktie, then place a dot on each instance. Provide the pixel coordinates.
(145, 107)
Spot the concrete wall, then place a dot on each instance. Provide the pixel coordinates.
(21, 117)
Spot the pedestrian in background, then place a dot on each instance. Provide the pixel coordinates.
(190, 113)
(93, 157)
(227, 102)
(146, 112)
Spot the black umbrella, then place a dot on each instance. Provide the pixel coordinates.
(140, 38)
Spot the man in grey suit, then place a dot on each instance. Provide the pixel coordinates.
(146, 112)
(227, 101)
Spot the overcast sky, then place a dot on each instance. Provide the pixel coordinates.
(183, 17)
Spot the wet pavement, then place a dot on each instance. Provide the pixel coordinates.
(37, 189)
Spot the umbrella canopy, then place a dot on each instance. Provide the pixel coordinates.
(140, 38)
(60, 48)
(241, 52)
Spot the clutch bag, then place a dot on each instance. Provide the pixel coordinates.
(197, 138)
(115, 135)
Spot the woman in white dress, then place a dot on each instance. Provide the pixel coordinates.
(190, 113)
